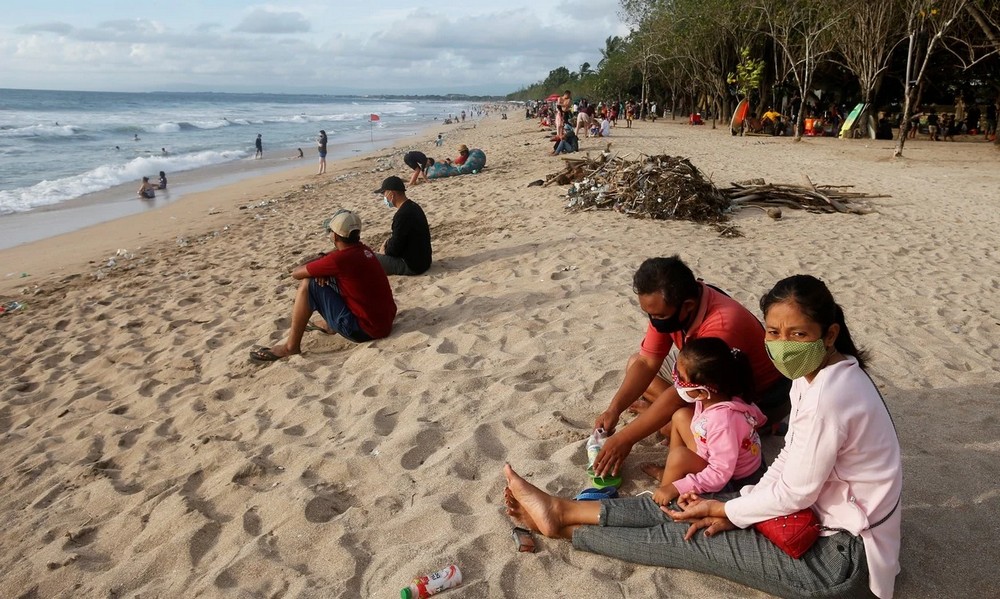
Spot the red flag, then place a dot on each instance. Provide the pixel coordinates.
(374, 117)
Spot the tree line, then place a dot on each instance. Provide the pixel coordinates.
(893, 55)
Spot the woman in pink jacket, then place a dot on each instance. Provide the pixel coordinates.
(841, 459)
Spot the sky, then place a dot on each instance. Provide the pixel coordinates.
(313, 46)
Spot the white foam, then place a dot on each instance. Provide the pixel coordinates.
(39, 131)
(106, 177)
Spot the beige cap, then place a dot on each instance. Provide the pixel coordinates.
(343, 222)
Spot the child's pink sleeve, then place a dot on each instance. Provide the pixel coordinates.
(724, 430)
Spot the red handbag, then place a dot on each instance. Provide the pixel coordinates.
(794, 534)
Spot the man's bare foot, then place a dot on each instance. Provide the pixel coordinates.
(531, 505)
(652, 469)
(638, 406)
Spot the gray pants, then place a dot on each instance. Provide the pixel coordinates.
(634, 529)
(394, 266)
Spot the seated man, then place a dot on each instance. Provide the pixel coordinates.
(695, 119)
(347, 287)
(681, 308)
(771, 121)
(408, 249)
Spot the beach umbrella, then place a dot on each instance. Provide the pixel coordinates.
(552, 98)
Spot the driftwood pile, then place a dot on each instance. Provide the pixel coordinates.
(809, 197)
(670, 187)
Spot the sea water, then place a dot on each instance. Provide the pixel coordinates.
(56, 146)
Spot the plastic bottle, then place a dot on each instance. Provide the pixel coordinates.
(594, 445)
(432, 584)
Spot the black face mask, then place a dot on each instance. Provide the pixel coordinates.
(667, 325)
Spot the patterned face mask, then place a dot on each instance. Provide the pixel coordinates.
(687, 390)
(795, 359)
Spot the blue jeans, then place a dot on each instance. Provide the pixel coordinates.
(326, 300)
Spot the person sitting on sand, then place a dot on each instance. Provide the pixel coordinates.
(163, 181)
(714, 445)
(347, 287)
(146, 189)
(463, 155)
(408, 249)
(680, 308)
(841, 459)
(419, 163)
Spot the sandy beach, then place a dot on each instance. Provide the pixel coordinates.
(145, 456)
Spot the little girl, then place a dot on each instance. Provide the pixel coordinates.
(714, 446)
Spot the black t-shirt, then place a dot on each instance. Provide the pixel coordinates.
(415, 160)
(411, 237)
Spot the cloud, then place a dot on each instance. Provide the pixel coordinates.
(58, 28)
(270, 22)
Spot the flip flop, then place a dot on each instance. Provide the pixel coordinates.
(264, 354)
(597, 494)
(315, 327)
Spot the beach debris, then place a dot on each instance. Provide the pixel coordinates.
(11, 307)
(658, 187)
(808, 196)
(670, 187)
(182, 241)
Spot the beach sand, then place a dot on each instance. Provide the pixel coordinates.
(144, 455)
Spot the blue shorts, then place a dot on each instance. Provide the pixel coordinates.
(326, 300)
(322, 153)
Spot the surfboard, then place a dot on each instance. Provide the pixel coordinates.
(845, 130)
(739, 115)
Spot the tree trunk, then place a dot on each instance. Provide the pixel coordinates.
(904, 125)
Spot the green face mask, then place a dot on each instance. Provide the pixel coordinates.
(795, 359)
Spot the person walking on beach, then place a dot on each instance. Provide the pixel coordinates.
(259, 144)
(408, 249)
(347, 287)
(680, 308)
(841, 461)
(418, 163)
(321, 146)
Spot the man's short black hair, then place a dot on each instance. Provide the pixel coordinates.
(353, 238)
(668, 276)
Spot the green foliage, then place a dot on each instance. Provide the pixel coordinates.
(749, 73)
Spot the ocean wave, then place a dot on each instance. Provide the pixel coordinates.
(40, 131)
(105, 177)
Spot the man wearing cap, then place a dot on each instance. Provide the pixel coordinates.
(347, 287)
(408, 249)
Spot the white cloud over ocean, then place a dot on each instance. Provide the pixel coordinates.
(391, 47)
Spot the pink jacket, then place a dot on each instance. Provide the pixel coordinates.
(842, 458)
(727, 439)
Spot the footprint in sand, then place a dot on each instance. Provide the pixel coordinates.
(203, 541)
(426, 443)
(251, 522)
(385, 421)
(326, 507)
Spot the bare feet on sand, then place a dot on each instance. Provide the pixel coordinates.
(530, 505)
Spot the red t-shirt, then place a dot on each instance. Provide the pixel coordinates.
(723, 317)
(363, 285)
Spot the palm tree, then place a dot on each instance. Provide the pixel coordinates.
(613, 45)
